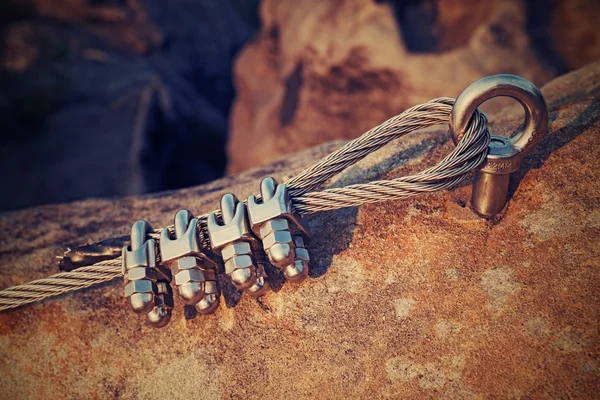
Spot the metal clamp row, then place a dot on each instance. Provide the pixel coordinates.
(243, 238)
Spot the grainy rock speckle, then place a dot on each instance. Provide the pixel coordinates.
(408, 299)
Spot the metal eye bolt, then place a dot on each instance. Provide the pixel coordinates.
(490, 185)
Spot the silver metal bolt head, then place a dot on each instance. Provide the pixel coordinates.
(260, 288)
(296, 272)
(281, 254)
(141, 302)
(244, 278)
(208, 305)
(191, 292)
(159, 317)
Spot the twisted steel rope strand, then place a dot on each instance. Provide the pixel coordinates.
(57, 284)
(434, 112)
(470, 152)
(468, 155)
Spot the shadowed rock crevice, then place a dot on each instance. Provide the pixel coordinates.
(432, 26)
(290, 99)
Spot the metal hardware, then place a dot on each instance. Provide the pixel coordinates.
(92, 253)
(298, 271)
(146, 283)
(233, 241)
(302, 188)
(193, 270)
(490, 185)
(281, 230)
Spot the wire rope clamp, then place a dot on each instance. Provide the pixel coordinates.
(146, 283)
(234, 242)
(194, 270)
(505, 155)
(282, 231)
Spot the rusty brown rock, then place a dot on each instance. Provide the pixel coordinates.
(328, 70)
(573, 31)
(408, 299)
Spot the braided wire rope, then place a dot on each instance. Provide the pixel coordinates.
(58, 284)
(469, 153)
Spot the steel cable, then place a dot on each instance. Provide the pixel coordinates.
(469, 154)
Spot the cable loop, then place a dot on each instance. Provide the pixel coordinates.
(469, 154)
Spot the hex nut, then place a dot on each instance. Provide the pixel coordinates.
(211, 287)
(159, 316)
(299, 241)
(140, 286)
(209, 274)
(139, 273)
(238, 262)
(235, 249)
(163, 287)
(277, 224)
(277, 237)
(260, 287)
(189, 275)
(280, 254)
(184, 263)
(302, 254)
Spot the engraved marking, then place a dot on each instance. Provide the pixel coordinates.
(498, 166)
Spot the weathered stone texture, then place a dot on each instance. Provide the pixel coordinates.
(326, 69)
(408, 299)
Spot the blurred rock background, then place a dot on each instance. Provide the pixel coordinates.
(117, 97)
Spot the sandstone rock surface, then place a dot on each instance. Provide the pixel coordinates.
(408, 299)
(329, 69)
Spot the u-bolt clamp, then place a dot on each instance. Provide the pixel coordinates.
(281, 230)
(234, 242)
(490, 185)
(193, 269)
(147, 285)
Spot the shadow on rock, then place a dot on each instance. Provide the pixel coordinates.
(554, 140)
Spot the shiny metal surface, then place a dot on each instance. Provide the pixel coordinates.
(212, 294)
(192, 268)
(298, 270)
(303, 191)
(232, 240)
(92, 253)
(183, 255)
(146, 283)
(276, 223)
(138, 258)
(160, 315)
(275, 204)
(490, 186)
